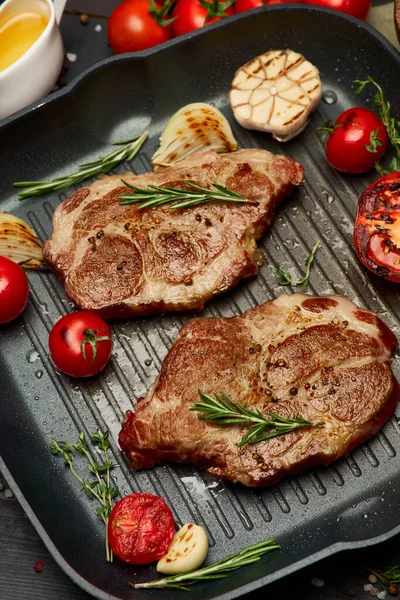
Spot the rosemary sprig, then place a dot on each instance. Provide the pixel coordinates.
(223, 410)
(99, 488)
(285, 278)
(217, 570)
(391, 124)
(155, 195)
(103, 164)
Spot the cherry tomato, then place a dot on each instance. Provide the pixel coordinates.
(140, 528)
(268, 2)
(14, 290)
(242, 5)
(191, 15)
(377, 227)
(133, 26)
(356, 130)
(357, 8)
(80, 344)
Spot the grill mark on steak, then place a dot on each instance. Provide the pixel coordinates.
(177, 259)
(294, 355)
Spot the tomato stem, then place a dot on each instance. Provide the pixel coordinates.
(159, 14)
(216, 8)
(330, 126)
(90, 337)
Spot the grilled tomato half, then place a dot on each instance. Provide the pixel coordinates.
(377, 227)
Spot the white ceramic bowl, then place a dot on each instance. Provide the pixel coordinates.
(35, 73)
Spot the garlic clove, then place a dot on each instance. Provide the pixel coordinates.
(193, 128)
(275, 92)
(19, 242)
(187, 551)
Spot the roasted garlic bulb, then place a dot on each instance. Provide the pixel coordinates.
(19, 242)
(275, 92)
(193, 128)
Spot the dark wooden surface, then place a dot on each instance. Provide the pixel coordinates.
(20, 545)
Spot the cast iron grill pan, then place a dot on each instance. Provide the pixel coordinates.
(349, 504)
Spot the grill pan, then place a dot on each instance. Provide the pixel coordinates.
(352, 503)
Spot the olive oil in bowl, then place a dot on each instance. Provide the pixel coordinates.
(18, 34)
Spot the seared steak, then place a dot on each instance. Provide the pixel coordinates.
(119, 261)
(319, 357)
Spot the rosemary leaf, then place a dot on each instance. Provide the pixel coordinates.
(103, 164)
(155, 195)
(223, 410)
(285, 278)
(216, 570)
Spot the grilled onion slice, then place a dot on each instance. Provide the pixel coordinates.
(193, 128)
(19, 242)
(275, 92)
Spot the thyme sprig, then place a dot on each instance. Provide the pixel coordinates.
(285, 278)
(375, 141)
(103, 164)
(100, 487)
(391, 124)
(223, 410)
(216, 570)
(155, 195)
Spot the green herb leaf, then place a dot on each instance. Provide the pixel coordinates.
(155, 195)
(223, 410)
(391, 124)
(217, 570)
(285, 278)
(99, 488)
(375, 141)
(388, 575)
(103, 164)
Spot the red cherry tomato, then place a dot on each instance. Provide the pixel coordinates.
(132, 27)
(357, 8)
(14, 290)
(191, 15)
(140, 528)
(268, 2)
(80, 344)
(377, 227)
(356, 130)
(242, 5)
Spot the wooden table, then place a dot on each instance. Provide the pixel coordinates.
(20, 545)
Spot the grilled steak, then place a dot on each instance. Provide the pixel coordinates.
(120, 261)
(319, 357)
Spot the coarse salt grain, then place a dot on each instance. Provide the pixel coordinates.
(8, 493)
(382, 595)
(368, 587)
(71, 56)
(98, 28)
(317, 582)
